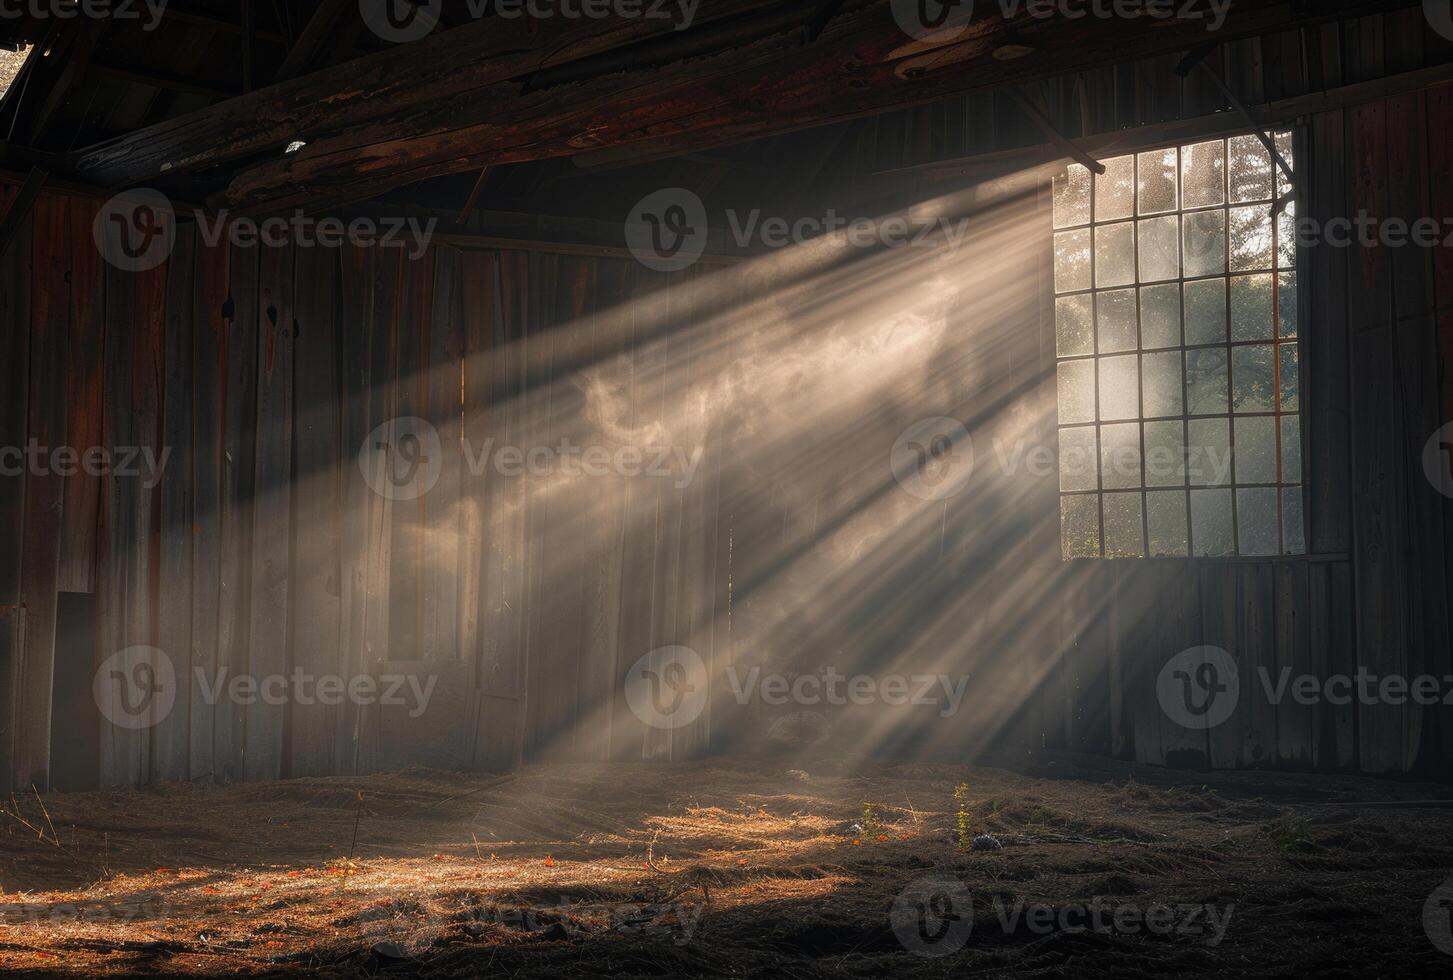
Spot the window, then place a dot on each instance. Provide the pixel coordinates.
(1177, 362)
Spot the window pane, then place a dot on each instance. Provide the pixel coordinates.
(1286, 146)
(1294, 540)
(1161, 375)
(1119, 387)
(1078, 459)
(1115, 313)
(1124, 527)
(1073, 325)
(1115, 189)
(1286, 303)
(1120, 456)
(1250, 171)
(1072, 260)
(1256, 449)
(1165, 454)
(1251, 311)
(1160, 316)
(1204, 237)
(1212, 533)
(1080, 526)
(1256, 522)
(1291, 449)
(1206, 381)
(1158, 181)
(1205, 312)
(1076, 392)
(1290, 379)
(1253, 385)
(1072, 197)
(1115, 254)
(1165, 512)
(1286, 237)
(1203, 174)
(1160, 248)
(1208, 452)
(1250, 238)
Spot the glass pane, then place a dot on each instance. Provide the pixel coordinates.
(1203, 174)
(1294, 539)
(1120, 456)
(1291, 449)
(1256, 449)
(1165, 454)
(1211, 531)
(1206, 381)
(1115, 313)
(1072, 197)
(1076, 392)
(1204, 249)
(1115, 254)
(1079, 521)
(1291, 400)
(1286, 237)
(1119, 387)
(1158, 181)
(1250, 238)
(1251, 311)
(1078, 459)
(1208, 452)
(1286, 146)
(1160, 248)
(1124, 528)
(1165, 512)
(1072, 260)
(1160, 316)
(1253, 385)
(1250, 170)
(1256, 522)
(1286, 303)
(1115, 189)
(1161, 376)
(1074, 325)
(1206, 312)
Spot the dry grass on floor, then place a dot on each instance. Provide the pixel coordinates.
(584, 870)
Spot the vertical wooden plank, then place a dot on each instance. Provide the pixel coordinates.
(15, 287)
(1174, 627)
(1220, 627)
(271, 610)
(312, 727)
(44, 489)
(239, 460)
(1370, 296)
(1331, 646)
(439, 561)
(172, 736)
(1440, 182)
(208, 407)
(1256, 659)
(1295, 746)
(84, 393)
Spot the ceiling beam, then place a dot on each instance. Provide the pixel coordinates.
(315, 39)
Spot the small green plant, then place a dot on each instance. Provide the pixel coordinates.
(1290, 835)
(961, 816)
(872, 826)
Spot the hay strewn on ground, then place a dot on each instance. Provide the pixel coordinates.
(585, 870)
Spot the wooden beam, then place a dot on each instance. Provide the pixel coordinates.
(322, 28)
(1055, 136)
(453, 66)
(173, 83)
(20, 208)
(861, 65)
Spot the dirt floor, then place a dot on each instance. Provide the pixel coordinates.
(721, 870)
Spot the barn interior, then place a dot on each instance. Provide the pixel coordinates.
(726, 487)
